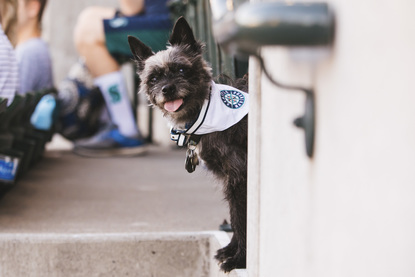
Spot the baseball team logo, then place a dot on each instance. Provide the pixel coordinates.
(114, 94)
(232, 99)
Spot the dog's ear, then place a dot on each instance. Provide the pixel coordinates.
(140, 51)
(182, 34)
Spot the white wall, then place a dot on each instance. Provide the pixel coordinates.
(349, 211)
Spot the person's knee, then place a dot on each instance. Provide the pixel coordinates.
(89, 27)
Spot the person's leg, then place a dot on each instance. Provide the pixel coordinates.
(89, 40)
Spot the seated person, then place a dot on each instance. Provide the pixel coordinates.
(122, 136)
(152, 26)
(33, 58)
(32, 52)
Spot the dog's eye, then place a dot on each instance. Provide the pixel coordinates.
(153, 79)
(181, 70)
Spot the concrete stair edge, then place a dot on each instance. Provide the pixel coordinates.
(113, 254)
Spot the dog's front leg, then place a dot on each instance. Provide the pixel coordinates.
(234, 255)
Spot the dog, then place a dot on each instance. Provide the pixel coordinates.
(178, 81)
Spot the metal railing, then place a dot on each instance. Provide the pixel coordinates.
(198, 14)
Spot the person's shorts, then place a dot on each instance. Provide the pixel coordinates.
(151, 29)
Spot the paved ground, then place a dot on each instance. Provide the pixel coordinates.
(65, 193)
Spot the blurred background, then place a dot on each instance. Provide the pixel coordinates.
(59, 22)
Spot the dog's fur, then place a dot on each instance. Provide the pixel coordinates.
(180, 72)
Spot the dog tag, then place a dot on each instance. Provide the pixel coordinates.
(191, 160)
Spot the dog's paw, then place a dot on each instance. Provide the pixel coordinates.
(238, 261)
(225, 253)
(230, 258)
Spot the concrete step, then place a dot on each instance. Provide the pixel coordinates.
(143, 216)
(117, 254)
(65, 193)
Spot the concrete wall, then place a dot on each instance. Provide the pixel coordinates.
(348, 211)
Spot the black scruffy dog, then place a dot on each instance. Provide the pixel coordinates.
(178, 81)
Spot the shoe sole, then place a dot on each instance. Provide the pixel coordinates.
(106, 153)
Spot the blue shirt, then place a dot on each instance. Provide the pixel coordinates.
(35, 66)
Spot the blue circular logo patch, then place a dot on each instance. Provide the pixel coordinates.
(232, 99)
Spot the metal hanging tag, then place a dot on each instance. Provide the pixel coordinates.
(192, 159)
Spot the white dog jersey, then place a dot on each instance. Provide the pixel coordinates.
(225, 107)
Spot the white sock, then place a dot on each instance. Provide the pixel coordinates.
(113, 88)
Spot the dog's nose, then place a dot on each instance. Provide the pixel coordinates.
(168, 89)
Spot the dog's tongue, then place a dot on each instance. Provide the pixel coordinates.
(172, 106)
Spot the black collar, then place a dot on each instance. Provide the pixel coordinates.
(183, 136)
